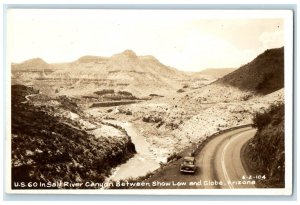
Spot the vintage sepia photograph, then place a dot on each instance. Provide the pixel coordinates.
(144, 101)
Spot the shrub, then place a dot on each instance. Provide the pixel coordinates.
(152, 118)
(261, 119)
(155, 95)
(105, 91)
(125, 93)
(180, 91)
(247, 97)
(174, 156)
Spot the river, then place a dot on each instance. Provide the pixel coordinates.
(141, 163)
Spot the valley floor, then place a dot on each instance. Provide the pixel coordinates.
(168, 127)
(158, 128)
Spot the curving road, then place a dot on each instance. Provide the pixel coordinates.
(27, 97)
(219, 165)
(220, 161)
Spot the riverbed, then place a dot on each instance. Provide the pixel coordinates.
(142, 162)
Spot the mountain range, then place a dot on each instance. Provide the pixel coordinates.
(145, 75)
(140, 75)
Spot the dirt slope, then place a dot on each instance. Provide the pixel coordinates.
(264, 75)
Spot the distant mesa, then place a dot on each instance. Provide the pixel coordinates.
(32, 64)
(98, 59)
(140, 75)
(35, 61)
(126, 54)
(90, 59)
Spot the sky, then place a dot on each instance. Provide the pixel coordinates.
(189, 40)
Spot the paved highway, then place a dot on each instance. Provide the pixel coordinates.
(219, 165)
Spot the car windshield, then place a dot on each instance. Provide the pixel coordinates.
(188, 163)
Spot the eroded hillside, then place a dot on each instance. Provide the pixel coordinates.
(139, 75)
(264, 75)
(50, 141)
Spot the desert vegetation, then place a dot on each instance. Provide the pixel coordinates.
(45, 148)
(266, 151)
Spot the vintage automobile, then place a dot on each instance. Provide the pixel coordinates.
(188, 165)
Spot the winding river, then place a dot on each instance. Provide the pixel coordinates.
(141, 163)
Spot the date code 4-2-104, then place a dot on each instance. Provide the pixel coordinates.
(251, 177)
